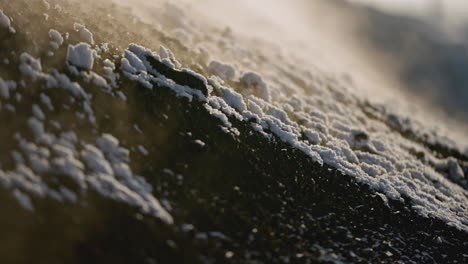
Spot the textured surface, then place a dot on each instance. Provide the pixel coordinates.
(140, 157)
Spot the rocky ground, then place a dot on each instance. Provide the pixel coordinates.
(216, 194)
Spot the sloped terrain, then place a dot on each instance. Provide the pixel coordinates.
(115, 153)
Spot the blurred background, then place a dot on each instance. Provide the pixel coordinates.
(429, 39)
(399, 51)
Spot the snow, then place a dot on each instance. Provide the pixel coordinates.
(313, 111)
(46, 4)
(136, 66)
(6, 22)
(229, 254)
(30, 66)
(186, 227)
(95, 161)
(225, 71)
(57, 39)
(167, 55)
(137, 128)
(84, 33)
(168, 171)
(232, 98)
(455, 172)
(6, 87)
(199, 142)
(23, 199)
(254, 84)
(109, 74)
(335, 136)
(121, 95)
(143, 150)
(81, 55)
(102, 167)
(68, 194)
(98, 80)
(38, 112)
(10, 108)
(113, 177)
(62, 81)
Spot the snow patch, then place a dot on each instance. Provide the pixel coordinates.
(57, 39)
(81, 55)
(84, 33)
(226, 72)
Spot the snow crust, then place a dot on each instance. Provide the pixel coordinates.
(81, 55)
(316, 112)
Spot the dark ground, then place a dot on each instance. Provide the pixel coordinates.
(270, 202)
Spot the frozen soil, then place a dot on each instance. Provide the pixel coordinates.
(232, 197)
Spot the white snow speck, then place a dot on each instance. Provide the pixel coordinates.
(6, 87)
(254, 84)
(224, 71)
(57, 39)
(46, 4)
(81, 55)
(143, 150)
(199, 142)
(38, 112)
(23, 200)
(84, 33)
